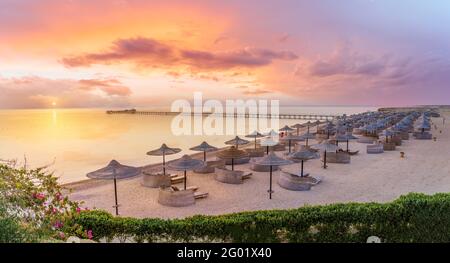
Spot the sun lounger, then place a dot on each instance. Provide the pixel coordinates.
(375, 149)
(177, 179)
(200, 195)
(388, 146)
(193, 188)
(230, 177)
(353, 153)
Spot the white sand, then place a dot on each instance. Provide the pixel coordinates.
(379, 178)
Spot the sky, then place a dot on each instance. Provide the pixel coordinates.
(136, 53)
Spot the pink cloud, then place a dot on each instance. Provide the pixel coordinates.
(146, 52)
(111, 87)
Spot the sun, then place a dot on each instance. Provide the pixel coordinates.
(53, 103)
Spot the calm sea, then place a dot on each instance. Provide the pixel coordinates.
(77, 141)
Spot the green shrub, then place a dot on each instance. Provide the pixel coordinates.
(33, 207)
(411, 218)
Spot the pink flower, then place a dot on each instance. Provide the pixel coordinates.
(78, 210)
(58, 196)
(54, 210)
(39, 196)
(89, 234)
(61, 235)
(58, 224)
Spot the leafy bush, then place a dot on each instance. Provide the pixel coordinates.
(411, 218)
(33, 207)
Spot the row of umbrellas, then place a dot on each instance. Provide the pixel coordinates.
(114, 170)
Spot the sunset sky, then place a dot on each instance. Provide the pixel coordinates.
(135, 53)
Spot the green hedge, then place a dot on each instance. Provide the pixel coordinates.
(411, 218)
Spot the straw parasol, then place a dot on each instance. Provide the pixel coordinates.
(232, 153)
(297, 126)
(349, 136)
(325, 146)
(286, 129)
(254, 135)
(291, 138)
(185, 163)
(307, 136)
(163, 151)
(204, 147)
(114, 170)
(236, 141)
(272, 160)
(303, 155)
(268, 142)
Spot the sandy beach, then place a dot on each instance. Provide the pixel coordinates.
(377, 178)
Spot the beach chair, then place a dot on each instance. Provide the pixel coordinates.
(176, 179)
(200, 195)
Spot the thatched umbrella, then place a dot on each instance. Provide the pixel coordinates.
(163, 151)
(185, 163)
(236, 141)
(232, 153)
(272, 133)
(268, 142)
(254, 135)
(325, 146)
(272, 160)
(303, 155)
(204, 147)
(291, 138)
(307, 136)
(286, 129)
(308, 124)
(329, 128)
(349, 136)
(297, 126)
(114, 170)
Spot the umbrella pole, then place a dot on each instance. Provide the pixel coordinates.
(115, 196)
(255, 142)
(298, 131)
(306, 141)
(301, 173)
(325, 160)
(289, 146)
(232, 164)
(164, 164)
(347, 146)
(204, 156)
(267, 149)
(185, 179)
(270, 187)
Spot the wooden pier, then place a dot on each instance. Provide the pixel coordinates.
(320, 117)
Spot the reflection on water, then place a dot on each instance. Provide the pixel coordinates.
(79, 141)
